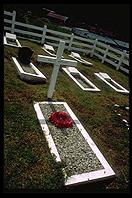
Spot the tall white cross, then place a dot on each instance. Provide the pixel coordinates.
(57, 61)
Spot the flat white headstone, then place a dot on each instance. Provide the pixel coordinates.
(49, 47)
(76, 55)
(10, 36)
(72, 70)
(105, 75)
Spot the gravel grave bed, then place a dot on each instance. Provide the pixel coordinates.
(9, 41)
(73, 149)
(27, 68)
(82, 81)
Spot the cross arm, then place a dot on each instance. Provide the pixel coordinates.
(53, 60)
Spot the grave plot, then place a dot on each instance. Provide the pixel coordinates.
(11, 40)
(72, 145)
(109, 81)
(50, 50)
(77, 57)
(26, 70)
(80, 79)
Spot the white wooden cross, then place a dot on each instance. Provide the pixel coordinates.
(57, 61)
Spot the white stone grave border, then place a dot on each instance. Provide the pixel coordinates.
(122, 90)
(81, 60)
(92, 176)
(12, 45)
(39, 77)
(94, 89)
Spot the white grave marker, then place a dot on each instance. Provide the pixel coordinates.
(112, 83)
(77, 57)
(84, 83)
(11, 37)
(57, 61)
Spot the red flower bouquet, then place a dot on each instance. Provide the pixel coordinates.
(61, 119)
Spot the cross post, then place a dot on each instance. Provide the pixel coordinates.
(57, 61)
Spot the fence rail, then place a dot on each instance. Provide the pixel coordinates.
(93, 47)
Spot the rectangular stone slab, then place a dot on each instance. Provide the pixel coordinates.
(84, 162)
(37, 76)
(90, 86)
(112, 83)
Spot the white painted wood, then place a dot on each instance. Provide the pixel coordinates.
(120, 90)
(13, 21)
(52, 60)
(121, 59)
(124, 69)
(94, 46)
(44, 33)
(8, 13)
(58, 33)
(111, 62)
(82, 45)
(106, 172)
(56, 69)
(84, 39)
(57, 61)
(7, 28)
(28, 33)
(29, 26)
(98, 55)
(7, 21)
(71, 41)
(94, 89)
(38, 77)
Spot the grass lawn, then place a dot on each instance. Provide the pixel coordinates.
(28, 163)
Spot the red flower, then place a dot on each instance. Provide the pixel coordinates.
(61, 119)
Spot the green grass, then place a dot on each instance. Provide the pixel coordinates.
(28, 163)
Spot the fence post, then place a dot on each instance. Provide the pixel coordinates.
(121, 59)
(71, 40)
(44, 33)
(13, 22)
(105, 54)
(94, 46)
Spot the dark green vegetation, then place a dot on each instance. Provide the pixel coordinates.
(28, 163)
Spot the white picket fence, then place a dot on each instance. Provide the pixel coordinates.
(93, 47)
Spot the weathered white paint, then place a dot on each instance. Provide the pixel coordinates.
(102, 77)
(104, 173)
(94, 89)
(56, 69)
(39, 77)
(57, 61)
